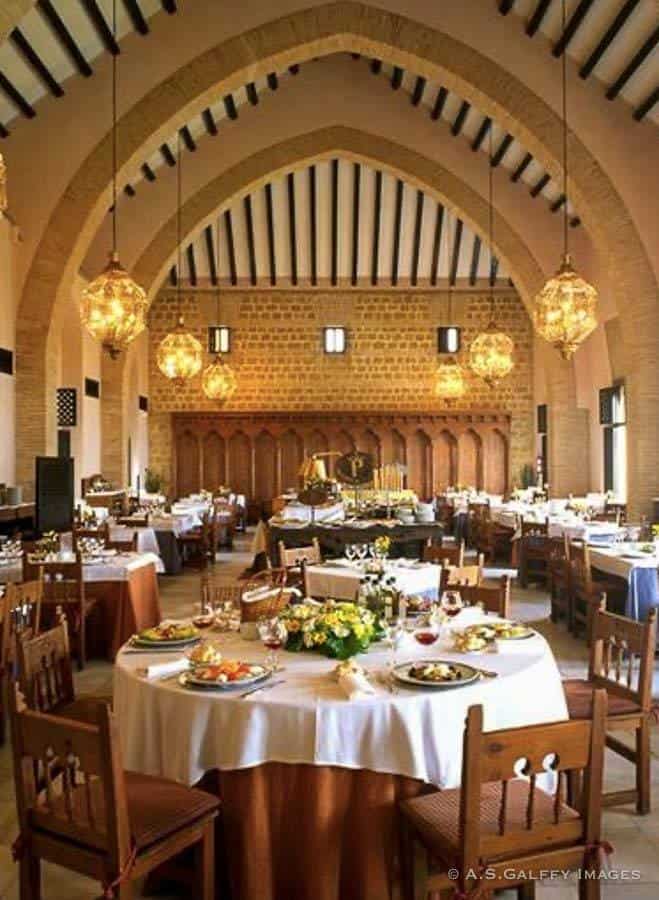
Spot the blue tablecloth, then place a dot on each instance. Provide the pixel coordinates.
(642, 593)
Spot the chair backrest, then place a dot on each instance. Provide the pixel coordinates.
(471, 575)
(448, 556)
(622, 655)
(499, 757)
(609, 515)
(21, 615)
(69, 780)
(535, 529)
(123, 546)
(580, 572)
(45, 673)
(215, 593)
(100, 533)
(494, 598)
(134, 521)
(290, 557)
(618, 509)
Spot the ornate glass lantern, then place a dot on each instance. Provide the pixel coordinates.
(450, 381)
(218, 380)
(491, 355)
(113, 308)
(179, 355)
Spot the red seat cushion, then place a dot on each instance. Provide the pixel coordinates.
(579, 698)
(435, 817)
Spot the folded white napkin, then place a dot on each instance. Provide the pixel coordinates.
(259, 594)
(163, 669)
(355, 685)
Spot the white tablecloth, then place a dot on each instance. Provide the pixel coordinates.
(115, 568)
(307, 719)
(341, 581)
(146, 537)
(178, 524)
(614, 562)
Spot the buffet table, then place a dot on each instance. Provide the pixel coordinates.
(302, 753)
(340, 579)
(406, 540)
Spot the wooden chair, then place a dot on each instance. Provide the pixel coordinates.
(45, 676)
(501, 824)
(607, 515)
(475, 514)
(64, 588)
(20, 613)
(585, 590)
(99, 533)
(534, 549)
(494, 540)
(619, 509)
(465, 576)
(621, 662)
(197, 545)
(94, 818)
(126, 546)
(494, 598)
(134, 521)
(451, 555)
(559, 579)
(296, 559)
(214, 594)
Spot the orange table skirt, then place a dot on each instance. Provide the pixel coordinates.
(304, 832)
(125, 607)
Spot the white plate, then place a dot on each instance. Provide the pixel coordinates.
(467, 674)
(187, 679)
(159, 645)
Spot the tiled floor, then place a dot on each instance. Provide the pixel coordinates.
(635, 863)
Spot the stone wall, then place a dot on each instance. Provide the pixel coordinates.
(278, 358)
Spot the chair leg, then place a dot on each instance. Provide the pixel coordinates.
(573, 789)
(3, 711)
(526, 890)
(643, 768)
(125, 890)
(589, 889)
(82, 642)
(205, 864)
(29, 877)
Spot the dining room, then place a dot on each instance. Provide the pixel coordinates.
(329, 484)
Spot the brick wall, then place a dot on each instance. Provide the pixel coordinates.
(278, 359)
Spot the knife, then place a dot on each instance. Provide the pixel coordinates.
(263, 687)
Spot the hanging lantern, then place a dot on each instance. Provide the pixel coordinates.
(564, 311)
(218, 380)
(450, 381)
(113, 308)
(491, 355)
(179, 355)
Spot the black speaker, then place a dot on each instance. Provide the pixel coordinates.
(54, 493)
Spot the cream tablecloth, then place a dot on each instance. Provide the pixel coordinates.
(307, 719)
(115, 568)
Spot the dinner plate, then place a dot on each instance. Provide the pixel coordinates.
(187, 679)
(467, 674)
(161, 645)
(529, 633)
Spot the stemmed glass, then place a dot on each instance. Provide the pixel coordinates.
(272, 632)
(392, 631)
(451, 603)
(351, 552)
(362, 551)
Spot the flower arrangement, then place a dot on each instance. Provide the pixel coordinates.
(382, 545)
(338, 630)
(49, 542)
(655, 532)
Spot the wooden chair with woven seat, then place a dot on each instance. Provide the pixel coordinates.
(585, 590)
(494, 540)
(559, 579)
(469, 575)
(296, 559)
(475, 516)
(20, 613)
(197, 545)
(500, 823)
(95, 818)
(494, 598)
(64, 589)
(443, 554)
(128, 545)
(214, 593)
(533, 550)
(616, 646)
(99, 533)
(45, 676)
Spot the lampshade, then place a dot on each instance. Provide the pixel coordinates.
(449, 382)
(113, 308)
(179, 354)
(218, 380)
(491, 355)
(564, 312)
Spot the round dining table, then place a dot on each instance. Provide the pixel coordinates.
(310, 780)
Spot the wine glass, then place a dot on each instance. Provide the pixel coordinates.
(451, 603)
(392, 632)
(351, 552)
(273, 634)
(362, 551)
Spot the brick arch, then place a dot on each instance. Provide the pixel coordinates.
(333, 27)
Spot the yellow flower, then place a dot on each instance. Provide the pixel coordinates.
(293, 625)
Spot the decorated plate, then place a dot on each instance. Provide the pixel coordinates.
(500, 631)
(227, 675)
(173, 635)
(435, 673)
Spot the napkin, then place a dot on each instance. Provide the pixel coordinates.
(355, 685)
(163, 669)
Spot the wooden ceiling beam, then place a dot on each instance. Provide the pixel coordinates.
(210, 254)
(63, 35)
(101, 27)
(34, 61)
(608, 37)
(576, 19)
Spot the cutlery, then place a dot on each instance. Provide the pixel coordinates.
(263, 687)
(487, 673)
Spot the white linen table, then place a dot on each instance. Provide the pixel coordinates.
(639, 570)
(307, 719)
(340, 579)
(114, 568)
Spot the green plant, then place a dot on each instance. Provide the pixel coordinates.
(153, 481)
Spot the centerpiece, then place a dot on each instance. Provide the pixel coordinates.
(337, 630)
